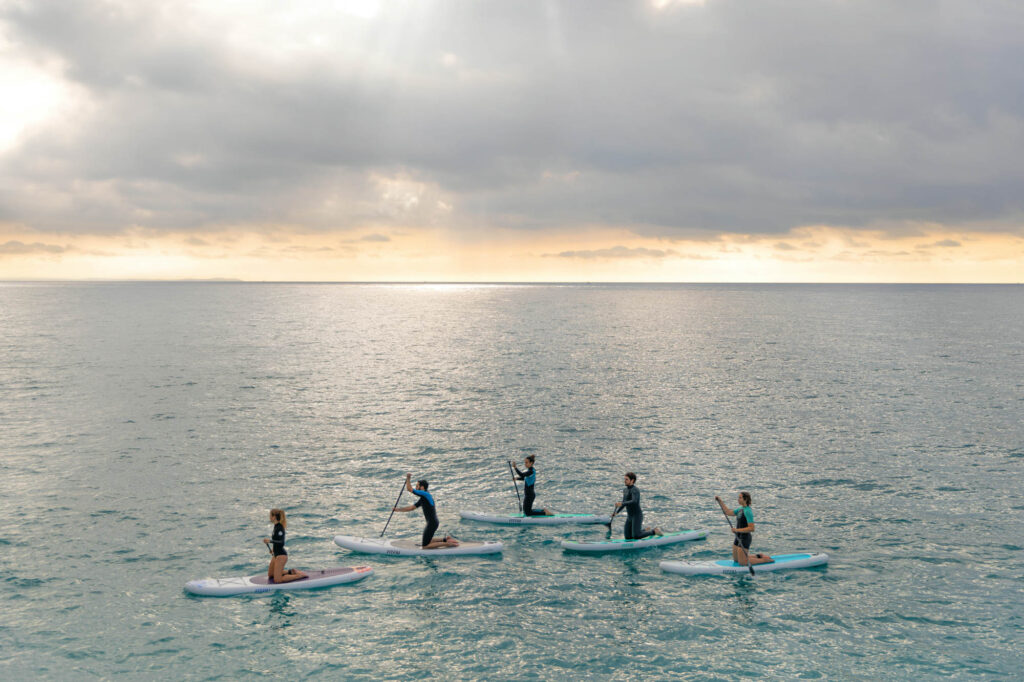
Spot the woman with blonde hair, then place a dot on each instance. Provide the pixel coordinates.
(276, 571)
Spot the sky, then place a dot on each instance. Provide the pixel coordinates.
(513, 140)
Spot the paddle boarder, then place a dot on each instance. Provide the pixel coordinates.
(426, 502)
(529, 477)
(742, 533)
(634, 529)
(276, 571)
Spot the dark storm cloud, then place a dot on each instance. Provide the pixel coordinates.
(728, 117)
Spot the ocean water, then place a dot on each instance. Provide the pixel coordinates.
(146, 429)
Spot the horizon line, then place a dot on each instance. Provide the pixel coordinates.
(227, 280)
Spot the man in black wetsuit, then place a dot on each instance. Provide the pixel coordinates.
(425, 501)
(634, 529)
(529, 478)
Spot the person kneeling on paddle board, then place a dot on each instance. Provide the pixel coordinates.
(634, 529)
(426, 502)
(742, 533)
(529, 477)
(276, 571)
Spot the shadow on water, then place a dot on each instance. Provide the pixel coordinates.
(627, 588)
(436, 589)
(744, 595)
(281, 613)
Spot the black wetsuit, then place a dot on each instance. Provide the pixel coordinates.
(529, 477)
(634, 528)
(426, 503)
(744, 517)
(277, 541)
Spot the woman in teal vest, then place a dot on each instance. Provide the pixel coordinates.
(742, 533)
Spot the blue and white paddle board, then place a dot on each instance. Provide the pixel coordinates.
(406, 547)
(782, 562)
(547, 520)
(621, 545)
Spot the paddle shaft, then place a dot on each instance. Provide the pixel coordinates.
(519, 499)
(736, 539)
(397, 500)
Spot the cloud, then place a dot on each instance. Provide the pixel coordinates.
(943, 243)
(616, 252)
(705, 118)
(373, 238)
(17, 248)
(302, 249)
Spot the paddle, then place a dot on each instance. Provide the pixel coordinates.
(745, 549)
(516, 485)
(612, 518)
(402, 490)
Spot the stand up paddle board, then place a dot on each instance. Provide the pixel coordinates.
(621, 545)
(226, 587)
(782, 562)
(520, 520)
(412, 547)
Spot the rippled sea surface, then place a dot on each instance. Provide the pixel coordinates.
(146, 429)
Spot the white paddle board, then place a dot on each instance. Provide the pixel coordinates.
(406, 547)
(226, 587)
(520, 520)
(782, 562)
(620, 545)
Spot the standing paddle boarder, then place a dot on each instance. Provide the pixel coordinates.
(742, 533)
(275, 571)
(529, 477)
(426, 502)
(634, 529)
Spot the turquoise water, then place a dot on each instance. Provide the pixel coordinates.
(148, 428)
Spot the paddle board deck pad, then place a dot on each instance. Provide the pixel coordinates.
(782, 562)
(520, 520)
(621, 545)
(405, 547)
(226, 587)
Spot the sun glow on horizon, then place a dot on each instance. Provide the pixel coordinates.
(373, 140)
(810, 254)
